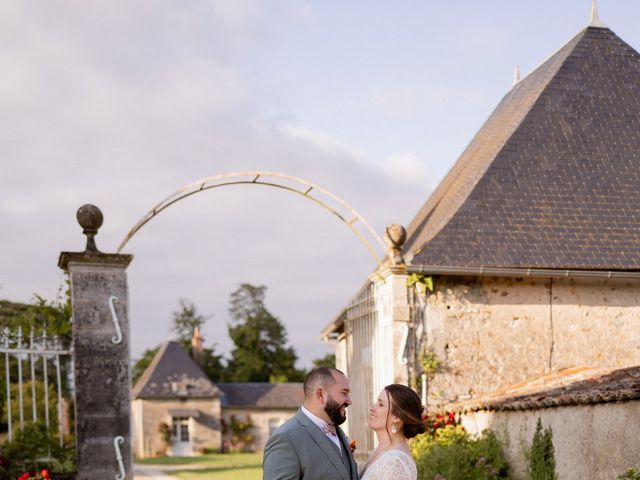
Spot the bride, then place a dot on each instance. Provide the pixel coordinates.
(395, 417)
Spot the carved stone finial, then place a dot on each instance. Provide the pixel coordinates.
(90, 219)
(395, 236)
(516, 75)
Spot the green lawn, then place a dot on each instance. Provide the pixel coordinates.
(213, 466)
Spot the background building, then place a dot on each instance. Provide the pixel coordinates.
(178, 411)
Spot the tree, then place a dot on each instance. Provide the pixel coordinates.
(329, 360)
(185, 321)
(41, 315)
(541, 460)
(260, 353)
(212, 364)
(142, 363)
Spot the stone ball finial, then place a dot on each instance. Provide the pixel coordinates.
(90, 219)
(395, 235)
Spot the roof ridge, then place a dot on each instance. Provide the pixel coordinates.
(581, 32)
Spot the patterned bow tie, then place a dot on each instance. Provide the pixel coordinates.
(330, 429)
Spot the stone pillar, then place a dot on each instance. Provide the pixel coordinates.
(394, 320)
(101, 346)
(392, 304)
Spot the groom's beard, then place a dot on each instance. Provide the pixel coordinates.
(332, 409)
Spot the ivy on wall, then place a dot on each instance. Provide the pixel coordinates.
(416, 278)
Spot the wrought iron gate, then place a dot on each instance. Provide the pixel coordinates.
(37, 375)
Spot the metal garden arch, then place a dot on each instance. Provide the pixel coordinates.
(345, 213)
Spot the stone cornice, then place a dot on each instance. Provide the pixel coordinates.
(93, 258)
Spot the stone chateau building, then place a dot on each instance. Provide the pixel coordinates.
(527, 263)
(174, 394)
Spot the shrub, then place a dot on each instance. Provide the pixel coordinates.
(452, 454)
(541, 458)
(27, 449)
(165, 435)
(630, 474)
(239, 434)
(439, 421)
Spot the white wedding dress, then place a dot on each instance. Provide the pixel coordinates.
(392, 465)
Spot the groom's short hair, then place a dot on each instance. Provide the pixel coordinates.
(319, 377)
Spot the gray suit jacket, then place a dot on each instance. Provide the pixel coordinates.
(299, 450)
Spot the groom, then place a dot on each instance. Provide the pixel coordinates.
(310, 445)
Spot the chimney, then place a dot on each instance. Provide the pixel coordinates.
(196, 347)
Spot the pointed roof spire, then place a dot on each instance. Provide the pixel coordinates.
(595, 18)
(516, 75)
(489, 210)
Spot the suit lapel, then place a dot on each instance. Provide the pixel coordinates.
(345, 444)
(329, 449)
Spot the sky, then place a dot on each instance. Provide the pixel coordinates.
(120, 103)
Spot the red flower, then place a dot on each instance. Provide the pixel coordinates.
(436, 424)
(452, 415)
(447, 422)
(440, 417)
(45, 474)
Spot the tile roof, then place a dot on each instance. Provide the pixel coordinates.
(173, 374)
(569, 387)
(262, 395)
(552, 179)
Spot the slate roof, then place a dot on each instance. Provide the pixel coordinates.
(262, 395)
(571, 387)
(552, 179)
(173, 374)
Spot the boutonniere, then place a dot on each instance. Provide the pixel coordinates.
(352, 446)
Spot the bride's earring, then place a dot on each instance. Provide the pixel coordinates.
(393, 428)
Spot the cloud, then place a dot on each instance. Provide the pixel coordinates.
(407, 169)
(120, 105)
(322, 141)
(410, 99)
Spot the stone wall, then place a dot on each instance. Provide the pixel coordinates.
(595, 442)
(491, 333)
(147, 415)
(264, 420)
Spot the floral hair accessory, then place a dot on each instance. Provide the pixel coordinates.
(425, 413)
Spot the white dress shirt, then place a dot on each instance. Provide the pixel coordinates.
(321, 424)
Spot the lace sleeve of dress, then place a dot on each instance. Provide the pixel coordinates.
(393, 465)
